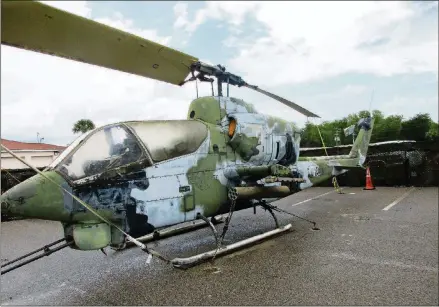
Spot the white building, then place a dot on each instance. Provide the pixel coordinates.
(38, 155)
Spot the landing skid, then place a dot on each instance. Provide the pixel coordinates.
(185, 263)
(201, 222)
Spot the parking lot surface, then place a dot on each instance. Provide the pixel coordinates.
(375, 247)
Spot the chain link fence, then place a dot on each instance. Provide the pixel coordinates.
(397, 163)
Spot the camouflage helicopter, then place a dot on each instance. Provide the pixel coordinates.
(133, 178)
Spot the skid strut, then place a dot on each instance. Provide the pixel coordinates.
(185, 263)
(215, 233)
(268, 208)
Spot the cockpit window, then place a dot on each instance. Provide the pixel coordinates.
(106, 149)
(69, 149)
(169, 139)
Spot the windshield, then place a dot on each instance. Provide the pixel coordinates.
(106, 149)
(69, 149)
(170, 139)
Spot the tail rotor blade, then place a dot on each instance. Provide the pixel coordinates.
(284, 101)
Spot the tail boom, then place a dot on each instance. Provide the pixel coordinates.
(315, 170)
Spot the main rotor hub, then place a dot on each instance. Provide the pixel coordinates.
(218, 71)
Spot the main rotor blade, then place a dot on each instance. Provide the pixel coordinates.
(35, 26)
(284, 101)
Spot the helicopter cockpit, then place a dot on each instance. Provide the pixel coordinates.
(118, 145)
(104, 149)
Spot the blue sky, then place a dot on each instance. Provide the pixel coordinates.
(327, 57)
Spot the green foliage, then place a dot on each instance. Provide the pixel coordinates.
(387, 129)
(83, 125)
(433, 132)
(418, 128)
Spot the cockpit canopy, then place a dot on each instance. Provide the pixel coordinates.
(118, 145)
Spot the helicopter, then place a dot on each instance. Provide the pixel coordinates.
(130, 179)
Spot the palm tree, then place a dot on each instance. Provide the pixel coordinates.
(83, 125)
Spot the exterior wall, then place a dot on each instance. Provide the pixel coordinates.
(37, 158)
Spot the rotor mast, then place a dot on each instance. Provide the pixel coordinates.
(219, 72)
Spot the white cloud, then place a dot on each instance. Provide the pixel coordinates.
(180, 12)
(232, 11)
(312, 40)
(46, 94)
(317, 40)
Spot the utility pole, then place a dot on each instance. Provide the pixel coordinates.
(337, 139)
(337, 136)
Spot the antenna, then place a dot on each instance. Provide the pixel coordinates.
(39, 139)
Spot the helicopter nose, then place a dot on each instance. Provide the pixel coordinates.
(36, 197)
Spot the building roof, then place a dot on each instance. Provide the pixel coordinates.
(14, 145)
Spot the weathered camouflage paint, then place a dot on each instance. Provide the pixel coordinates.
(142, 198)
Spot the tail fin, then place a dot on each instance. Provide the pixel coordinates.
(361, 144)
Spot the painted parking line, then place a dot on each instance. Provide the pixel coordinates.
(313, 198)
(396, 201)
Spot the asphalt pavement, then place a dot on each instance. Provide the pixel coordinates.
(362, 255)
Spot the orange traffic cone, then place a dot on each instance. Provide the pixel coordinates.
(369, 184)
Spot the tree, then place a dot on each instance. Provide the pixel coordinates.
(387, 129)
(83, 125)
(433, 132)
(390, 128)
(310, 136)
(417, 127)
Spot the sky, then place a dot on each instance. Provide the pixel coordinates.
(333, 58)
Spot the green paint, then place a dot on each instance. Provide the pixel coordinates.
(92, 235)
(260, 172)
(245, 146)
(280, 170)
(206, 109)
(254, 172)
(42, 199)
(207, 190)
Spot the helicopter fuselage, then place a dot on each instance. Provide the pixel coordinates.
(145, 175)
